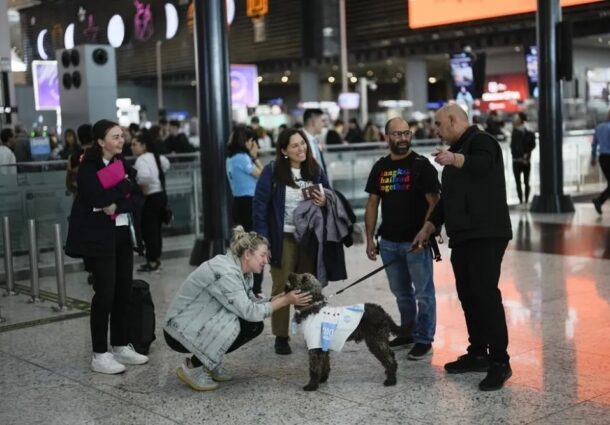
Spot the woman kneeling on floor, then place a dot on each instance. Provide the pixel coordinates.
(215, 310)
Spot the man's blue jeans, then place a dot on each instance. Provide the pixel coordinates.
(411, 283)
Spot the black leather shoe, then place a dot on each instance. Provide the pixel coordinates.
(468, 363)
(497, 375)
(281, 345)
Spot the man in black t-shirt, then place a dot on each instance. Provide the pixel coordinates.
(407, 186)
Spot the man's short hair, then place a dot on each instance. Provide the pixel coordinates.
(85, 134)
(174, 123)
(6, 135)
(255, 120)
(311, 113)
(134, 128)
(162, 121)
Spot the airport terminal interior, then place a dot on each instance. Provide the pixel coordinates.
(190, 75)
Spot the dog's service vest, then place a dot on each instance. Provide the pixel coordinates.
(330, 328)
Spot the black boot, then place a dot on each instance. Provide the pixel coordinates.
(281, 345)
(497, 375)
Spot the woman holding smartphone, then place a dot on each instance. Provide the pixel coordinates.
(278, 193)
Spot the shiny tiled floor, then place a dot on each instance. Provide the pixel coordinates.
(556, 288)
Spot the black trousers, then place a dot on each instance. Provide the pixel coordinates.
(112, 279)
(152, 217)
(604, 163)
(476, 266)
(242, 214)
(518, 169)
(248, 331)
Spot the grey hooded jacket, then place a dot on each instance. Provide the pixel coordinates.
(328, 224)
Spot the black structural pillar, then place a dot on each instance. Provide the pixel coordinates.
(213, 97)
(551, 198)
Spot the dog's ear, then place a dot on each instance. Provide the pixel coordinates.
(290, 283)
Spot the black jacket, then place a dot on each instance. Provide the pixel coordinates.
(92, 233)
(473, 198)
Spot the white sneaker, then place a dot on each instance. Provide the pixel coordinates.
(220, 374)
(127, 355)
(105, 363)
(198, 378)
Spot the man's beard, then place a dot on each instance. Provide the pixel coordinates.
(400, 148)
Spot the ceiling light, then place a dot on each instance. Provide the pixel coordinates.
(370, 73)
(284, 79)
(354, 79)
(432, 80)
(259, 78)
(331, 79)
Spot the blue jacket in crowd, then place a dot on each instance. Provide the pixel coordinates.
(268, 210)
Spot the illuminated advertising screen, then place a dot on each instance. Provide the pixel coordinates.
(429, 13)
(462, 71)
(244, 85)
(46, 85)
(504, 93)
(40, 147)
(531, 64)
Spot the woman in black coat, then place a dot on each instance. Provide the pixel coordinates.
(100, 231)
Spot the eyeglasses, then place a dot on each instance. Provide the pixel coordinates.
(397, 134)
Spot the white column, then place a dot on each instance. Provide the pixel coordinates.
(416, 83)
(5, 53)
(309, 85)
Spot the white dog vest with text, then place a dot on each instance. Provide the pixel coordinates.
(330, 328)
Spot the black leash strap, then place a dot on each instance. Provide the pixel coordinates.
(435, 251)
(377, 270)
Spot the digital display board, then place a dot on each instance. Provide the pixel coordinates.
(531, 65)
(429, 13)
(462, 71)
(46, 85)
(244, 85)
(504, 93)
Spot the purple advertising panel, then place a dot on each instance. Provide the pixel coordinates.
(244, 85)
(46, 85)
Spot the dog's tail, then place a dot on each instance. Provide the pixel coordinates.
(394, 328)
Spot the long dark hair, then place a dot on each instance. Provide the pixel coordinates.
(310, 170)
(239, 137)
(145, 137)
(100, 130)
(74, 137)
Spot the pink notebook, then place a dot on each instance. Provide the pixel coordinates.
(111, 175)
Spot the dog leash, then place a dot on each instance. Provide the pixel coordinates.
(377, 270)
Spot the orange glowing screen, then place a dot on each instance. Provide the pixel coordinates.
(428, 13)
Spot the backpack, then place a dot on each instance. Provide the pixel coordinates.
(141, 317)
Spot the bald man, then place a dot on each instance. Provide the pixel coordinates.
(474, 210)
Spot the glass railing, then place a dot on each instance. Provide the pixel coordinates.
(38, 191)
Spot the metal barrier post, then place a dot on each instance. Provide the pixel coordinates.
(196, 202)
(59, 270)
(2, 319)
(8, 259)
(35, 298)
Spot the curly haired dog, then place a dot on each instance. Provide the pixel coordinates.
(374, 328)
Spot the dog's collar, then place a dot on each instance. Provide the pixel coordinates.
(301, 310)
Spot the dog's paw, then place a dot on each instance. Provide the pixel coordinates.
(390, 381)
(323, 379)
(310, 387)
